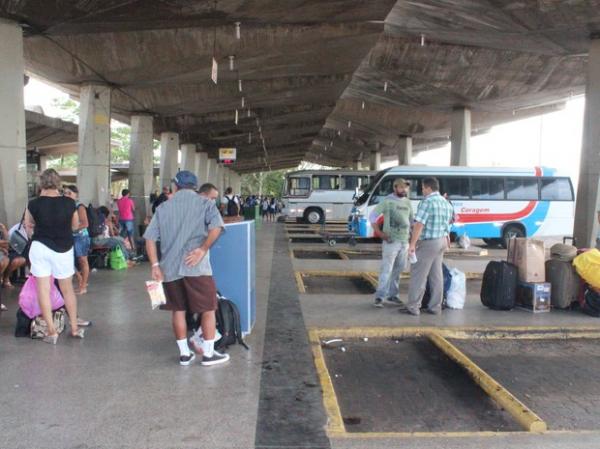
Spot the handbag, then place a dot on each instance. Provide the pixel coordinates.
(39, 328)
(117, 260)
(17, 240)
(28, 301)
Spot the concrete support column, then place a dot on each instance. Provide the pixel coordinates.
(357, 165)
(460, 138)
(13, 156)
(404, 149)
(212, 172)
(93, 168)
(202, 168)
(188, 157)
(226, 177)
(169, 147)
(235, 181)
(375, 160)
(588, 191)
(141, 165)
(43, 163)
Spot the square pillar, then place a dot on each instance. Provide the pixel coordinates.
(13, 156)
(375, 160)
(141, 165)
(357, 165)
(93, 168)
(404, 150)
(588, 191)
(188, 157)
(202, 167)
(169, 149)
(212, 172)
(460, 138)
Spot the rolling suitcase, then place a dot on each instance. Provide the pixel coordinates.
(565, 283)
(499, 286)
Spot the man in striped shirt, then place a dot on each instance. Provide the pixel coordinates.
(187, 225)
(428, 242)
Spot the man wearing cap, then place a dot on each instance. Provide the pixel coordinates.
(397, 215)
(187, 225)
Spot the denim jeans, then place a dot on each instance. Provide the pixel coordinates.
(393, 261)
(126, 228)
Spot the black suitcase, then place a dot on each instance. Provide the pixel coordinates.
(499, 286)
(565, 283)
(591, 305)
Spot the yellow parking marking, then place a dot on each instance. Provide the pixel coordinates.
(504, 398)
(300, 282)
(530, 421)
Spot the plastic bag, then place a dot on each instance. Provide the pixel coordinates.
(457, 293)
(588, 267)
(28, 301)
(116, 259)
(464, 241)
(157, 293)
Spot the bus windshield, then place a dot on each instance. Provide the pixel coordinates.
(362, 199)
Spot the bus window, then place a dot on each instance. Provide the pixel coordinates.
(325, 182)
(487, 188)
(299, 186)
(385, 188)
(523, 189)
(557, 189)
(351, 182)
(456, 187)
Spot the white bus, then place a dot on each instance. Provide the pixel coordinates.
(314, 195)
(489, 203)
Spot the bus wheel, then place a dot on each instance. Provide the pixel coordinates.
(313, 216)
(511, 231)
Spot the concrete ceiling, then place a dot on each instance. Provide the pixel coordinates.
(48, 135)
(307, 66)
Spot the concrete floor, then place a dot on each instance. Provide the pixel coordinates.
(122, 387)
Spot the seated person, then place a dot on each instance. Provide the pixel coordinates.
(15, 260)
(110, 237)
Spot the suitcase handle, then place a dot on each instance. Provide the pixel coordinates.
(572, 239)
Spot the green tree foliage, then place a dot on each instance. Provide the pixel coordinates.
(120, 136)
(271, 183)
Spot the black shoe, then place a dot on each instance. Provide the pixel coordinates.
(407, 311)
(185, 360)
(394, 300)
(378, 303)
(433, 312)
(216, 358)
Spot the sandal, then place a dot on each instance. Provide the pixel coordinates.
(79, 334)
(6, 283)
(82, 291)
(83, 323)
(50, 339)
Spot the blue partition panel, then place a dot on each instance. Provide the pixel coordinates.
(233, 260)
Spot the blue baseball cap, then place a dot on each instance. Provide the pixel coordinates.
(185, 179)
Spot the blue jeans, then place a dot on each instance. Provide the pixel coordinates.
(126, 228)
(393, 261)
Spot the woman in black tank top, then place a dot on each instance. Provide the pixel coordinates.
(53, 217)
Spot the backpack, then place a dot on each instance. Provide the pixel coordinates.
(95, 225)
(228, 324)
(232, 207)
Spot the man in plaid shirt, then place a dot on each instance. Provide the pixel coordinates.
(428, 242)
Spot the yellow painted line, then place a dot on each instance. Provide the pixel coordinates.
(466, 332)
(373, 280)
(300, 282)
(343, 255)
(464, 434)
(336, 423)
(505, 399)
(374, 274)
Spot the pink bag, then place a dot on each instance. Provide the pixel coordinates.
(28, 298)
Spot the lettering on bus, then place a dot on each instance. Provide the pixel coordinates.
(474, 210)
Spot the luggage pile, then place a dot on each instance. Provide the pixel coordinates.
(569, 279)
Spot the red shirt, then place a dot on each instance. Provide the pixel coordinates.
(126, 208)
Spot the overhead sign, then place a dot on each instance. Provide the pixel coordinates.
(227, 156)
(214, 71)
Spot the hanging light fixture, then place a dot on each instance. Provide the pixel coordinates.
(240, 85)
(236, 117)
(385, 86)
(248, 113)
(362, 106)
(349, 123)
(422, 40)
(249, 137)
(238, 32)
(231, 62)
(243, 102)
